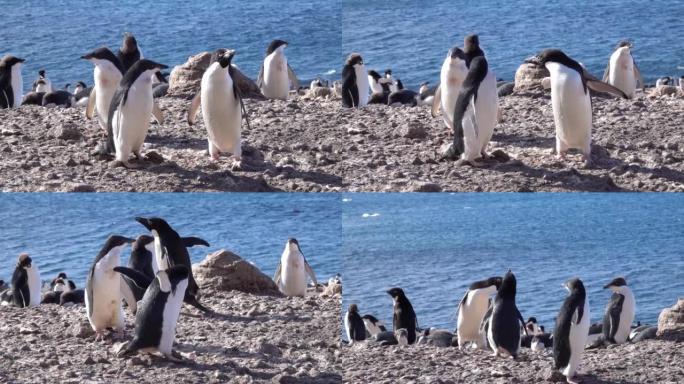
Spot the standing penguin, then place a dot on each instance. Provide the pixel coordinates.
(354, 82)
(452, 75)
(374, 80)
(503, 333)
(130, 111)
(619, 315)
(353, 325)
(171, 250)
(571, 100)
(472, 309)
(11, 82)
(572, 330)
(26, 283)
(129, 53)
(275, 74)
(290, 277)
(404, 317)
(103, 289)
(222, 107)
(155, 322)
(622, 71)
(42, 83)
(107, 75)
(142, 256)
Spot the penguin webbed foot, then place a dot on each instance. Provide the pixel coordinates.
(451, 153)
(175, 357)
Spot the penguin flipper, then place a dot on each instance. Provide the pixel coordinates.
(260, 77)
(117, 103)
(293, 77)
(606, 73)
(637, 75)
(310, 272)
(462, 302)
(134, 277)
(611, 320)
(436, 101)
(276, 277)
(90, 108)
(600, 86)
(192, 241)
(194, 107)
(157, 113)
(522, 321)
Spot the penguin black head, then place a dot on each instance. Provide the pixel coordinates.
(457, 53)
(223, 57)
(143, 240)
(275, 44)
(492, 281)
(41, 73)
(574, 285)
(617, 282)
(62, 275)
(129, 43)
(293, 244)
(103, 54)
(353, 308)
(550, 56)
(375, 75)
(24, 261)
(624, 43)
(370, 318)
(81, 84)
(115, 241)
(471, 43)
(396, 292)
(424, 84)
(388, 73)
(400, 85)
(71, 285)
(9, 61)
(66, 86)
(154, 224)
(508, 286)
(354, 59)
(532, 320)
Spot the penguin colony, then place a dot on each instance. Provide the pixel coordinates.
(489, 319)
(126, 85)
(154, 284)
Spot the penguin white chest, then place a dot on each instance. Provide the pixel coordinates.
(579, 332)
(480, 118)
(106, 81)
(293, 274)
(106, 290)
(17, 84)
(132, 119)
(571, 108)
(34, 285)
(470, 315)
(170, 317)
(622, 72)
(276, 79)
(362, 84)
(451, 80)
(221, 111)
(626, 316)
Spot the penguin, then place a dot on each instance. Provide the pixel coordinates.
(354, 82)
(103, 288)
(571, 100)
(107, 74)
(275, 74)
(42, 83)
(404, 97)
(142, 257)
(11, 82)
(58, 284)
(58, 98)
(472, 309)
(681, 84)
(503, 333)
(134, 287)
(663, 81)
(572, 330)
(471, 48)
(26, 282)
(160, 85)
(170, 250)
(155, 322)
(373, 325)
(394, 86)
(129, 53)
(73, 295)
(62, 292)
(222, 108)
(385, 338)
(532, 326)
(130, 111)
(81, 93)
(403, 316)
(643, 332)
(290, 276)
(622, 71)
(452, 75)
(354, 325)
(541, 341)
(374, 79)
(402, 337)
(619, 314)
(426, 94)
(33, 98)
(440, 338)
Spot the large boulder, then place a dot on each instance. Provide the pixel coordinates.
(529, 76)
(226, 271)
(671, 321)
(186, 78)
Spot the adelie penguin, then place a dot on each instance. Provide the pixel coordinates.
(373, 325)
(103, 289)
(26, 283)
(291, 274)
(11, 82)
(472, 309)
(170, 250)
(503, 333)
(155, 321)
(129, 53)
(107, 75)
(476, 107)
(452, 75)
(276, 75)
(622, 71)
(130, 111)
(403, 315)
(222, 107)
(619, 314)
(42, 83)
(572, 330)
(571, 101)
(355, 85)
(354, 325)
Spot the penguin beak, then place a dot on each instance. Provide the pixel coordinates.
(21, 60)
(145, 222)
(87, 56)
(606, 286)
(534, 60)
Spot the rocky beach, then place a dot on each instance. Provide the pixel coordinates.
(309, 144)
(256, 336)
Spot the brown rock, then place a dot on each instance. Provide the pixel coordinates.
(186, 78)
(529, 76)
(671, 321)
(226, 271)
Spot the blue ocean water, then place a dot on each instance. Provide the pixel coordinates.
(435, 245)
(53, 34)
(64, 232)
(413, 37)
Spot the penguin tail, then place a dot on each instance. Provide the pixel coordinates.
(192, 300)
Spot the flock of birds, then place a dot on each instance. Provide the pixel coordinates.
(156, 281)
(125, 85)
(498, 325)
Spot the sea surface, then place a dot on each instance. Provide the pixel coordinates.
(413, 37)
(54, 34)
(64, 232)
(435, 245)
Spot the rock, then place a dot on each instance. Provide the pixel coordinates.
(186, 78)
(334, 288)
(154, 157)
(82, 330)
(671, 322)
(424, 187)
(67, 132)
(505, 89)
(413, 130)
(89, 361)
(663, 90)
(553, 376)
(500, 156)
(269, 349)
(82, 188)
(226, 271)
(318, 92)
(529, 76)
